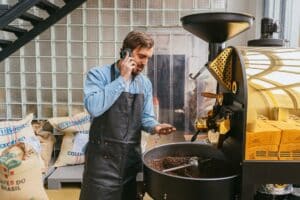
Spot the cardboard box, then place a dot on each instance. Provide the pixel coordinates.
(289, 151)
(281, 114)
(290, 132)
(266, 152)
(263, 134)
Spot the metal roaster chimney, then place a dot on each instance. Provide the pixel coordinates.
(268, 27)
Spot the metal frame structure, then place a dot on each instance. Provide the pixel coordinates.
(55, 14)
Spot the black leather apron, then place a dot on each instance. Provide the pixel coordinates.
(113, 155)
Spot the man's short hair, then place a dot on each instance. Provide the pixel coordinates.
(137, 39)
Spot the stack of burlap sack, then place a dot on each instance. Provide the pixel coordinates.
(26, 149)
(20, 161)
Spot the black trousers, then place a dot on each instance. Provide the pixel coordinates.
(130, 191)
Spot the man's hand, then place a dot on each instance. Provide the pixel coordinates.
(126, 66)
(164, 129)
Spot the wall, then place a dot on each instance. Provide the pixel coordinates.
(254, 8)
(46, 76)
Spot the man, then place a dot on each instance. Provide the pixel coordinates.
(120, 100)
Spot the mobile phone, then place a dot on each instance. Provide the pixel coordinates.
(124, 52)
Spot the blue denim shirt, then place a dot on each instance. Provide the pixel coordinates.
(100, 93)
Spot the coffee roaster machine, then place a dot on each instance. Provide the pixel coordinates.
(252, 81)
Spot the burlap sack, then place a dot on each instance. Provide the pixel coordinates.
(12, 132)
(78, 122)
(37, 126)
(75, 129)
(72, 149)
(47, 141)
(20, 174)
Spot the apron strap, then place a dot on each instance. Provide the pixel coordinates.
(112, 72)
(140, 85)
(113, 77)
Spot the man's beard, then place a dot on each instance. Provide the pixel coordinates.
(138, 70)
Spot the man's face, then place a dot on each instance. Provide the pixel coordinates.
(141, 56)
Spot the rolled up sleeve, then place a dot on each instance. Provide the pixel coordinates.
(148, 118)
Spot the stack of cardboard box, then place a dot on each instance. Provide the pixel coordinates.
(273, 140)
(262, 142)
(289, 148)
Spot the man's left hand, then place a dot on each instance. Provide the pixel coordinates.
(164, 129)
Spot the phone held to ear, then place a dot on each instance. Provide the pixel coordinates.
(124, 52)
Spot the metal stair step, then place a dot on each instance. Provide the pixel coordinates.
(4, 43)
(17, 31)
(15, 11)
(33, 19)
(47, 6)
(3, 8)
(20, 10)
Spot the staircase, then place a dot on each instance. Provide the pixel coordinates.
(20, 10)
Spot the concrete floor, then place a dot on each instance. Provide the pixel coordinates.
(67, 192)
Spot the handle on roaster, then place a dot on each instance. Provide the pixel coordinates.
(198, 73)
(195, 136)
(193, 161)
